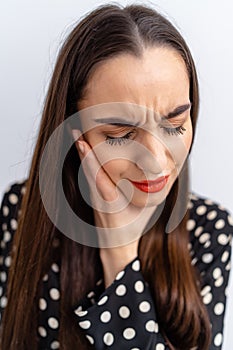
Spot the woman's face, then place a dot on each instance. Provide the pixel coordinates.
(135, 115)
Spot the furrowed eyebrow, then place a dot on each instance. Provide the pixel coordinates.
(115, 122)
(177, 111)
(119, 122)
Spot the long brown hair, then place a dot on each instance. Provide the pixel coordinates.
(104, 33)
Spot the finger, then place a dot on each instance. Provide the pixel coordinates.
(96, 175)
(77, 134)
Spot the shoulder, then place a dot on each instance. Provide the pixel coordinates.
(205, 212)
(10, 206)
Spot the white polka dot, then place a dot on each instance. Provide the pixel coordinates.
(211, 215)
(90, 294)
(217, 272)
(91, 340)
(144, 306)
(194, 261)
(85, 324)
(103, 300)
(160, 346)
(228, 266)
(14, 224)
(121, 290)
(42, 304)
(204, 238)
(5, 210)
(105, 316)
(218, 339)
(136, 265)
(190, 205)
(108, 338)
(225, 256)
(207, 244)
(53, 322)
(223, 239)
(129, 333)
(45, 278)
(205, 290)
(55, 345)
(4, 226)
(219, 281)
(192, 196)
(135, 349)
(221, 207)
(54, 293)
(7, 236)
(207, 258)
(55, 267)
(198, 231)
(124, 312)
(218, 309)
(8, 261)
(13, 199)
(150, 326)
(208, 202)
(1, 290)
(79, 308)
(230, 220)
(98, 283)
(42, 331)
(3, 276)
(190, 224)
(120, 275)
(23, 190)
(3, 245)
(207, 298)
(3, 301)
(219, 224)
(191, 253)
(80, 312)
(139, 286)
(201, 210)
(156, 327)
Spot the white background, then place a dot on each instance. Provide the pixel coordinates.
(30, 35)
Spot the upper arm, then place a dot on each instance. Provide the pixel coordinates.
(212, 239)
(9, 213)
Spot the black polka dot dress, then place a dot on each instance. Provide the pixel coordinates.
(123, 315)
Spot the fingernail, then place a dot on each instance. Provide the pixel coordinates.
(81, 147)
(76, 134)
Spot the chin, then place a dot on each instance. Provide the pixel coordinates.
(149, 199)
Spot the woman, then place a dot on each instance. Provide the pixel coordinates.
(134, 261)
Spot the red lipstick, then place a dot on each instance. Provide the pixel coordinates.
(151, 186)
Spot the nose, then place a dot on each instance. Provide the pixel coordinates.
(152, 157)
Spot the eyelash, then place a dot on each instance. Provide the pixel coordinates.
(114, 141)
(179, 130)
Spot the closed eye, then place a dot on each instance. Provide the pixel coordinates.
(179, 130)
(118, 141)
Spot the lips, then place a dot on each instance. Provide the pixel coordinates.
(151, 186)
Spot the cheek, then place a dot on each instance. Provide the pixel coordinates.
(117, 168)
(179, 146)
(189, 134)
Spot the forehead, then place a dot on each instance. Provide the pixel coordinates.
(157, 80)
